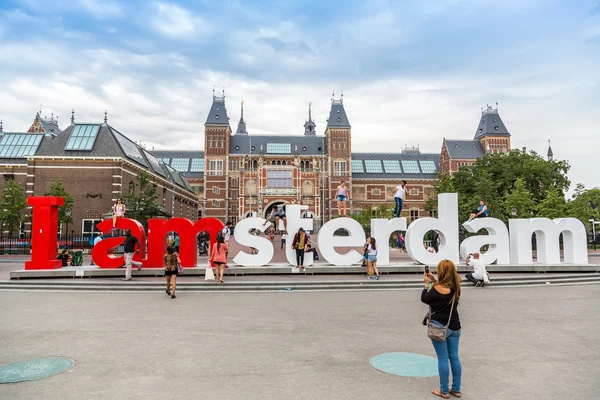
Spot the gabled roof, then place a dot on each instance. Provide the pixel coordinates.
(464, 149)
(395, 165)
(490, 124)
(306, 145)
(337, 115)
(218, 113)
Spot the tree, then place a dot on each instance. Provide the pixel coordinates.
(553, 206)
(585, 205)
(14, 201)
(142, 200)
(57, 189)
(444, 184)
(521, 199)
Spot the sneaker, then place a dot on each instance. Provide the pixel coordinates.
(368, 277)
(168, 291)
(478, 284)
(140, 267)
(127, 279)
(377, 278)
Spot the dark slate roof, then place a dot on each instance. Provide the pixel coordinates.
(218, 113)
(307, 145)
(490, 124)
(163, 155)
(337, 115)
(106, 145)
(50, 126)
(464, 149)
(241, 129)
(362, 157)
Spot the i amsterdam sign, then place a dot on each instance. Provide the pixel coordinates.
(506, 246)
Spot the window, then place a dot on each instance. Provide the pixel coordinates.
(339, 168)
(428, 166)
(392, 167)
(279, 148)
(130, 149)
(216, 168)
(233, 194)
(131, 187)
(180, 164)
(234, 182)
(234, 164)
(279, 179)
(357, 166)
(89, 227)
(197, 165)
(234, 209)
(19, 145)
(198, 189)
(216, 190)
(82, 137)
(414, 214)
(216, 203)
(373, 166)
(410, 166)
(165, 160)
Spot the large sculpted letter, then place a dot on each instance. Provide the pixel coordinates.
(328, 242)
(381, 229)
(294, 222)
(102, 252)
(243, 237)
(548, 245)
(44, 230)
(496, 239)
(158, 230)
(446, 225)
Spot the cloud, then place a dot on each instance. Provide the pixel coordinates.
(102, 8)
(176, 21)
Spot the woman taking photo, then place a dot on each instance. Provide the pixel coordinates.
(299, 245)
(171, 261)
(218, 255)
(442, 296)
(118, 212)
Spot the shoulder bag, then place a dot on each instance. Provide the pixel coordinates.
(438, 333)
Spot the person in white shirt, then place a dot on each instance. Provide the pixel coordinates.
(284, 236)
(478, 270)
(372, 258)
(399, 194)
(227, 231)
(429, 248)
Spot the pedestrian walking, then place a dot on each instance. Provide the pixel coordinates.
(372, 258)
(176, 242)
(401, 243)
(218, 256)
(443, 295)
(118, 211)
(227, 232)
(130, 248)
(478, 275)
(341, 197)
(284, 236)
(399, 194)
(299, 244)
(172, 263)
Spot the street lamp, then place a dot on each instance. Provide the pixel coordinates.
(513, 212)
(67, 216)
(594, 223)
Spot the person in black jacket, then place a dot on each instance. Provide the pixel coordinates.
(438, 294)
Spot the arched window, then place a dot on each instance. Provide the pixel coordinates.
(255, 164)
(302, 165)
(131, 187)
(273, 162)
(308, 165)
(278, 162)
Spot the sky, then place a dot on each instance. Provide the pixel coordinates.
(412, 72)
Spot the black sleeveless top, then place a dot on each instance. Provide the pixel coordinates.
(440, 307)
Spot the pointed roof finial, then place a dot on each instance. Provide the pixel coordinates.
(1, 127)
(310, 111)
(213, 92)
(550, 153)
(242, 109)
(223, 91)
(105, 117)
(342, 97)
(73, 117)
(332, 95)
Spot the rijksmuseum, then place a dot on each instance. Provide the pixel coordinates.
(238, 174)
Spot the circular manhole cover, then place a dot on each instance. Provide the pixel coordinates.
(31, 370)
(406, 364)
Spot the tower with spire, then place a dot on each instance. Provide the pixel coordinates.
(550, 153)
(310, 126)
(491, 131)
(241, 128)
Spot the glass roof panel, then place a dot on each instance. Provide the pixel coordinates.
(373, 166)
(16, 145)
(154, 164)
(180, 164)
(428, 166)
(279, 148)
(130, 149)
(410, 166)
(392, 167)
(197, 165)
(357, 166)
(82, 137)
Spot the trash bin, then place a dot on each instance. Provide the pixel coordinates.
(77, 258)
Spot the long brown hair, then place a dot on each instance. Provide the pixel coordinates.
(448, 277)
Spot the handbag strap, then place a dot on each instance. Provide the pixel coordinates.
(449, 315)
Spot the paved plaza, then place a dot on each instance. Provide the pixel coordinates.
(517, 343)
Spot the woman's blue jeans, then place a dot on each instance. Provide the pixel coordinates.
(398, 208)
(448, 351)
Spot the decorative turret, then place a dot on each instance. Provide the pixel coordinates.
(310, 125)
(241, 129)
(550, 153)
(337, 115)
(218, 113)
(491, 132)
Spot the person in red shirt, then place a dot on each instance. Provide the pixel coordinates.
(218, 255)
